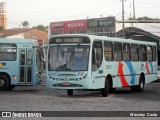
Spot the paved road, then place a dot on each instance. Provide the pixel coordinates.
(38, 98)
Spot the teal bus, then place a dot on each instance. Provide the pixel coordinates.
(89, 62)
(19, 63)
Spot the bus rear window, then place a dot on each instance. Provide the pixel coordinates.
(8, 52)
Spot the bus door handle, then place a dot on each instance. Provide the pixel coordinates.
(100, 71)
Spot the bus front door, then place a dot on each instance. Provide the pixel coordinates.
(25, 66)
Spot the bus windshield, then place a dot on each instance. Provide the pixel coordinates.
(68, 57)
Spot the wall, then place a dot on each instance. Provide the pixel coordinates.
(36, 34)
(20, 35)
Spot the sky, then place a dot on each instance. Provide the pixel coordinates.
(43, 12)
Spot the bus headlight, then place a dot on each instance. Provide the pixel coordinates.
(14, 77)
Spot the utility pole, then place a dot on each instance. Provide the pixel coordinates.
(123, 15)
(134, 16)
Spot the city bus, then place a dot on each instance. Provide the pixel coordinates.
(90, 62)
(19, 63)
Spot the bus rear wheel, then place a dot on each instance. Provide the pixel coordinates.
(70, 92)
(140, 87)
(4, 83)
(105, 90)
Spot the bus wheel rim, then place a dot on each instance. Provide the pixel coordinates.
(2, 82)
(141, 84)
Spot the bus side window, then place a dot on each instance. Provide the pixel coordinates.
(8, 52)
(142, 53)
(134, 52)
(149, 53)
(118, 51)
(126, 52)
(97, 55)
(154, 54)
(108, 51)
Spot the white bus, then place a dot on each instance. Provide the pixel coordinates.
(98, 62)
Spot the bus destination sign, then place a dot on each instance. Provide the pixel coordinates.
(69, 40)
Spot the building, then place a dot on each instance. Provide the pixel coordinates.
(104, 26)
(147, 30)
(152, 26)
(3, 15)
(109, 26)
(27, 33)
(99, 26)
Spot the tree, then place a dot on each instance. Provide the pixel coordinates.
(25, 24)
(1, 28)
(144, 18)
(41, 27)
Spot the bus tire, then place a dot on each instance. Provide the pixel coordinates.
(11, 87)
(112, 90)
(4, 83)
(140, 87)
(70, 92)
(105, 90)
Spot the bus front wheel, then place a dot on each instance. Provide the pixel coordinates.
(11, 87)
(4, 83)
(70, 92)
(105, 90)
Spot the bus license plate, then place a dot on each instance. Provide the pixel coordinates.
(66, 83)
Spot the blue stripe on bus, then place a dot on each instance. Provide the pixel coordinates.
(150, 63)
(129, 64)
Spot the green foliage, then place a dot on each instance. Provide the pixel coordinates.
(41, 27)
(147, 18)
(25, 24)
(144, 18)
(1, 28)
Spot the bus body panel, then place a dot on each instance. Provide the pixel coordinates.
(124, 73)
(64, 80)
(11, 71)
(132, 72)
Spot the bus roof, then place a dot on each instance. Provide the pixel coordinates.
(19, 41)
(95, 37)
